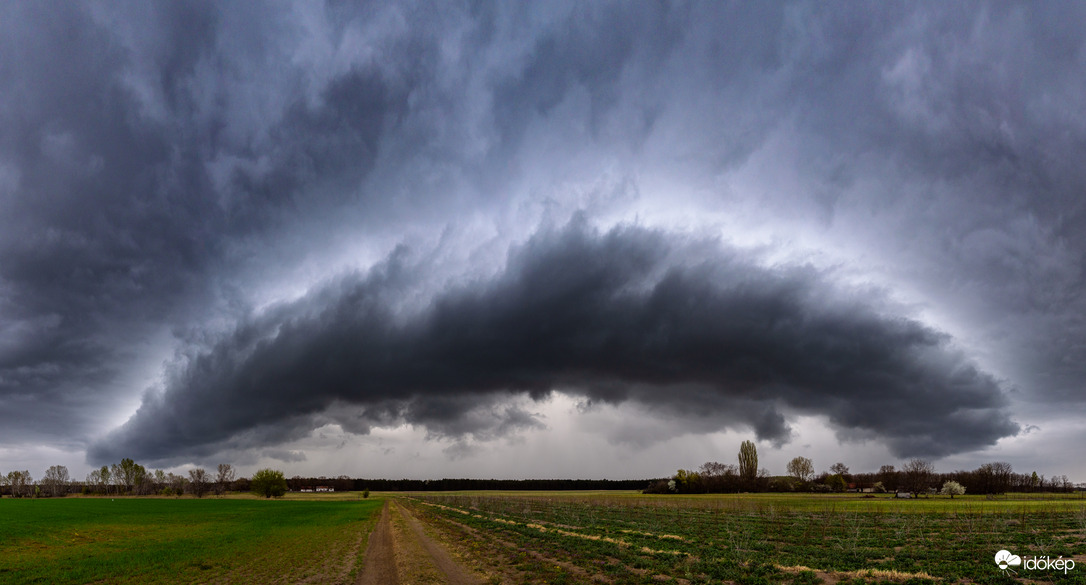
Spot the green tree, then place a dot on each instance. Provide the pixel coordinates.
(836, 483)
(748, 463)
(269, 483)
(801, 468)
(128, 474)
(687, 482)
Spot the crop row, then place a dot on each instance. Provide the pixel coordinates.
(640, 538)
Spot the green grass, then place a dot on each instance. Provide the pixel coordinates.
(159, 540)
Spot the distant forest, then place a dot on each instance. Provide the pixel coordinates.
(441, 485)
(131, 478)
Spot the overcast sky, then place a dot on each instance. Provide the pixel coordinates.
(428, 240)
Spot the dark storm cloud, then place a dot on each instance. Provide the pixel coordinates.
(590, 48)
(164, 167)
(120, 218)
(970, 120)
(73, 255)
(630, 315)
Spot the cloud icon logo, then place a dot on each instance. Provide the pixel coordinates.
(1005, 559)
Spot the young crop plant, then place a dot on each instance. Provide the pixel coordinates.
(758, 538)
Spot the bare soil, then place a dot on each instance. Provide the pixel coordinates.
(379, 566)
(401, 552)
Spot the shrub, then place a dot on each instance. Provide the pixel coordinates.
(269, 483)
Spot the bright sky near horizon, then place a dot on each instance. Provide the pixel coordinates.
(560, 239)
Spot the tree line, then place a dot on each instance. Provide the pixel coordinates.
(916, 476)
(119, 479)
(130, 478)
(463, 484)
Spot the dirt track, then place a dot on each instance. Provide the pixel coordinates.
(379, 567)
(401, 553)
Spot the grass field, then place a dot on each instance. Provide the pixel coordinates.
(165, 540)
(760, 539)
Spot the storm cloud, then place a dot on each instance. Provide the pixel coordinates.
(627, 315)
(231, 224)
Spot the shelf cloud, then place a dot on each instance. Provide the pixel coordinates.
(223, 226)
(632, 314)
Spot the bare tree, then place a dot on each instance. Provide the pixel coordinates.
(748, 463)
(56, 480)
(718, 477)
(1063, 483)
(918, 475)
(91, 483)
(224, 478)
(116, 476)
(146, 485)
(25, 483)
(177, 483)
(1002, 472)
(888, 477)
(995, 478)
(105, 479)
(839, 469)
(198, 482)
(801, 468)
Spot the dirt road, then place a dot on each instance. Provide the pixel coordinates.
(401, 553)
(379, 566)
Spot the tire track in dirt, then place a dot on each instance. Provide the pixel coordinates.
(453, 572)
(423, 555)
(379, 566)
